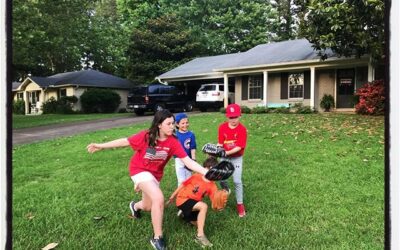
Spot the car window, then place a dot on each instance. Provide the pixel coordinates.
(221, 87)
(153, 89)
(207, 88)
(166, 90)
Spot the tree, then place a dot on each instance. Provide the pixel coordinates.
(107, 40)
(286, 28)
(349, 27)
(48, 36)
(227, 26)
(160, 45)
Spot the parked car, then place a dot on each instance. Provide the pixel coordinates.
(156, 97)
(211, 95)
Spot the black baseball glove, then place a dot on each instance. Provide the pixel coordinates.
(214, 150)
(221, 171)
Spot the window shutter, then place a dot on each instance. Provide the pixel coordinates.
(245, 83)
(284, 85)
(307, 84)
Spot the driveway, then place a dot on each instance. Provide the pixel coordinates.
(29, 135)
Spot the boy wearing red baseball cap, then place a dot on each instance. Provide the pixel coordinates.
(232, 136)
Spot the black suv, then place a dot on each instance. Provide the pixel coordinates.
(155, 97)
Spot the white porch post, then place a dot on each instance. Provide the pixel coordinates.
(371, 72)
(26, 99)
(265, 92)
(226, 90)
(312, 86)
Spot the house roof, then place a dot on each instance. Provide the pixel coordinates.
(274, 53)
(85, 78)
(299, 50)
(15, 85)
(201, 66)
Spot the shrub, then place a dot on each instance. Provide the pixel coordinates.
(222, 110)
(327, 102)
(50, 106)
(371, 98)
(18, 107)
(122, 110)
(282, 110)
(245, 109)
(61, 106)
(259, 110)
(100, 101)
(299, 108)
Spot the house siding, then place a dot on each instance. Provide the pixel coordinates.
(325, 84)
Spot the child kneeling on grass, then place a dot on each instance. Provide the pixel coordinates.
(189, 197)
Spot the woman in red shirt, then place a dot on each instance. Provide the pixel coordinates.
(153, 148)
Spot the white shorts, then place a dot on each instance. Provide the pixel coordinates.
(142, 177)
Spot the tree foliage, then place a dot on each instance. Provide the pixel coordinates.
(48, 36)
(227, 26)
(160, 45)
(349, 28)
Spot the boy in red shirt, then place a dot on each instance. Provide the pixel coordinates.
(232, 136)
(189, 197)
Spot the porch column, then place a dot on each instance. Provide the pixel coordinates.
(265, 92)
(27, 108)
(312, 86)
(371, 72)
(226, 90)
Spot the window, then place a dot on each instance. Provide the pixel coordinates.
(296, 85)
(62, 93)
(20, 96)
(255, 87)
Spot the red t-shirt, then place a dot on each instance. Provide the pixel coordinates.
(195, 187)
(152, 160)
(231, 138)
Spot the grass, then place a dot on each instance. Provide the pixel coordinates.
(311, 182)
(28, 121)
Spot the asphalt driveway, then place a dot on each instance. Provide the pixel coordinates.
(29, 135)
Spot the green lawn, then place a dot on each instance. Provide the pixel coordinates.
(28, 121)
(311, 182)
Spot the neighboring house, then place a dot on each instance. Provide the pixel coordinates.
(280, 73)
(37, 90)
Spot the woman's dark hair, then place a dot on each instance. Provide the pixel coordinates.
(159, 117)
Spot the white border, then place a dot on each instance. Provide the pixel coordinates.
(3, 125)
(394, 125)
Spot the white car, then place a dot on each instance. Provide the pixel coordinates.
(211, 95)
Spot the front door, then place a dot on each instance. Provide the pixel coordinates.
(345, 88)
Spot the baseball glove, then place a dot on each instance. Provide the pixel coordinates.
(219, 200)
(221, 171)
(214, 150)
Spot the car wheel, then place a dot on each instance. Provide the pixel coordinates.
(158, 107)
(188, 107)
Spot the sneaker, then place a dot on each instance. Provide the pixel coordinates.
(158, 244)
(180, 214)
(203, 241)
(135, 213)
(241, 210)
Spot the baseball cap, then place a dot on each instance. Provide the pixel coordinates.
(179, 117)
(233, 110)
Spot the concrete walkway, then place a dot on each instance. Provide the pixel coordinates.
(29, 135)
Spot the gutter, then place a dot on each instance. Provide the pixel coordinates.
(314, 61)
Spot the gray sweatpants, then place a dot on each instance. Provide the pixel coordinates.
(237, 177)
